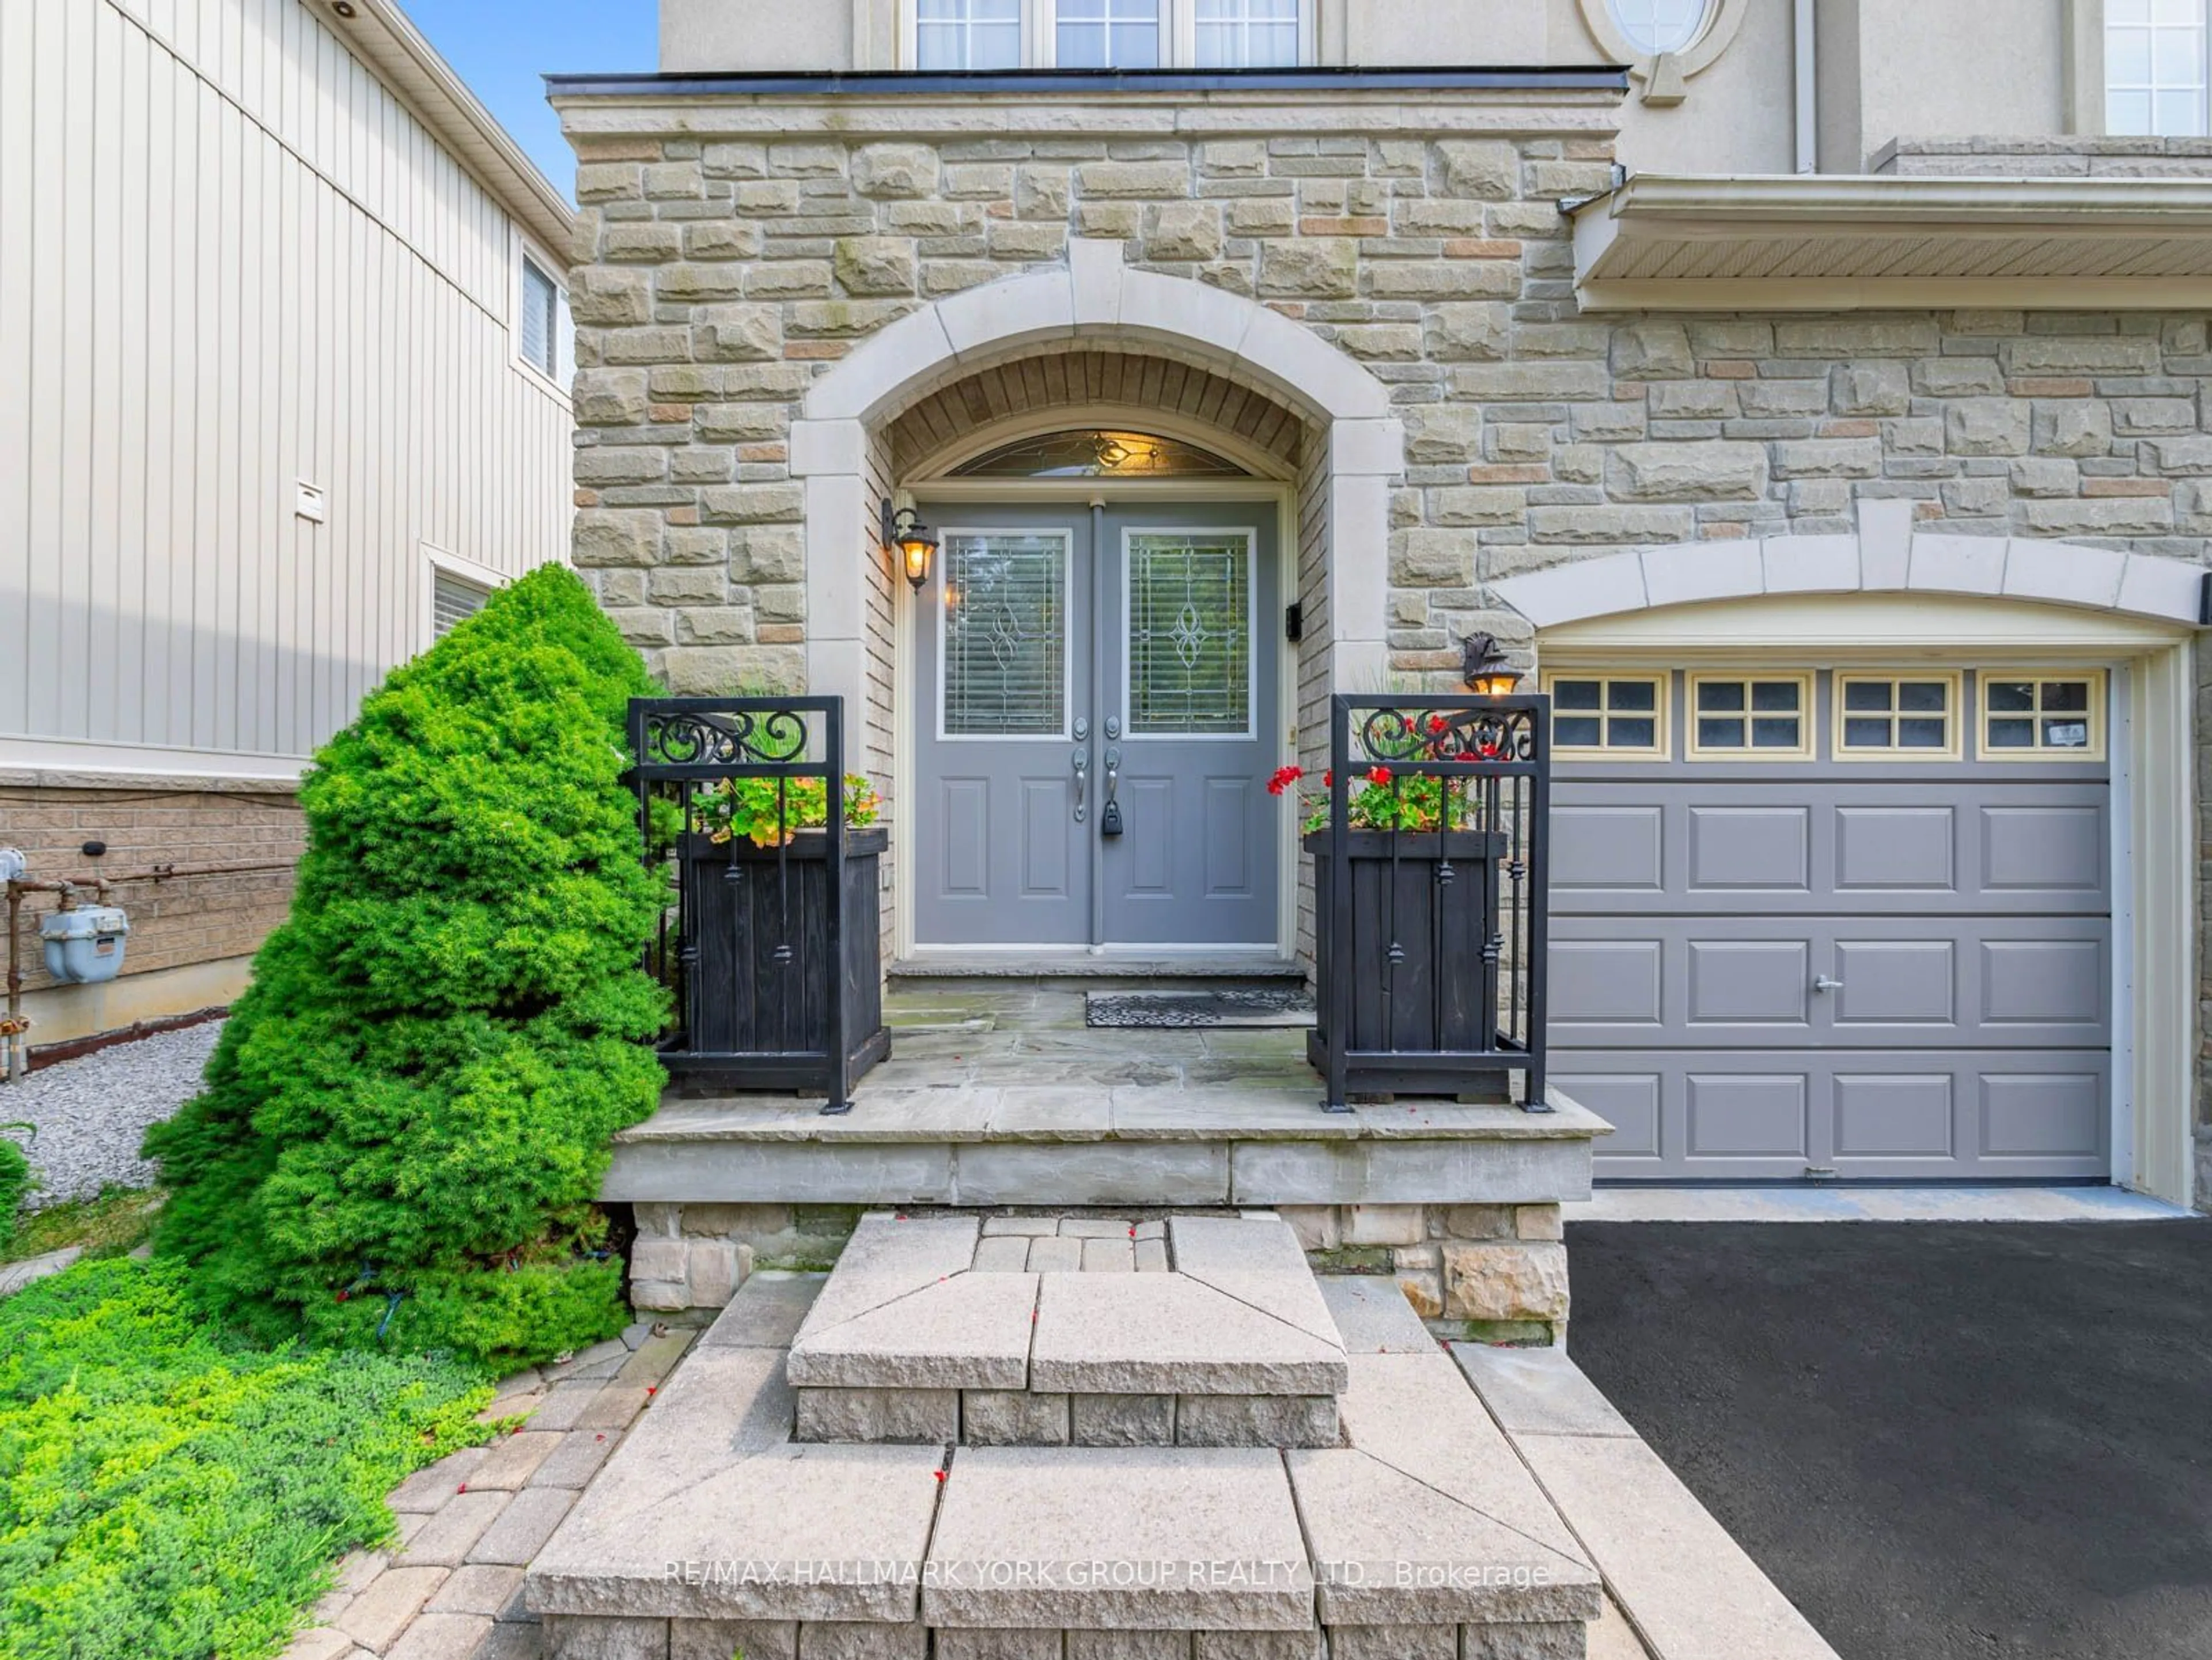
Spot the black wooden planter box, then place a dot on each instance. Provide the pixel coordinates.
(1427, 1022)
(759, 1018)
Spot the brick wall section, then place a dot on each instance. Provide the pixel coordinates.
(172, 923)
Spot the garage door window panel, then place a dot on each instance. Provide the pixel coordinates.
(1610, 717)
(1759, 718)
(1898, 717)
(2042, 717)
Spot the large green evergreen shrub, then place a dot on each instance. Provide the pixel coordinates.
(409, 1111)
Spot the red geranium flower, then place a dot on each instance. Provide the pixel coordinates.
(1284, 778)
(1437, 723)
(1379, 775)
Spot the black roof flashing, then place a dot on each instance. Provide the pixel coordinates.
(941, 83)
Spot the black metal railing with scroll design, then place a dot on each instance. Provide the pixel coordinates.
(767, 943)
(1430, 873)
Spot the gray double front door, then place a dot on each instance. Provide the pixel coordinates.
(1097, 717)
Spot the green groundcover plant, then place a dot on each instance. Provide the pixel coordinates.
(171, 1492)
(409, 1113)
(16, 1180)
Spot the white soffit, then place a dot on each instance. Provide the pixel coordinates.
(1813, 242)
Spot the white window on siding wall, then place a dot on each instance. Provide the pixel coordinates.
(968, 34)
(1247, 34)
(1096, 34)
(454, 590)
(544, 323)
(453, 602)
(2155, 68)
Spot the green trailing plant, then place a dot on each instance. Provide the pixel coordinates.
(753, 809)
(408, 1116)
(169, 1492)
(16, 1179)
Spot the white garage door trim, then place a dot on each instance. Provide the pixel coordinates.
(2152, 784)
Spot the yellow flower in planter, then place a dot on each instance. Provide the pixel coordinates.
(770, 813)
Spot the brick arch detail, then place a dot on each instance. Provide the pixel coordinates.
(1070, 382)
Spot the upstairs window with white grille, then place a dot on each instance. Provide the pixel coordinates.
(1247, 34)
(1096, 34)
(543, 326)
(2155, 68)
(1653, 27)
(968, 34)
(1100, 34)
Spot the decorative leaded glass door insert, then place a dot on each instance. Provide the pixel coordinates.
(1189, 609)
(999, 634)
(1188, 673)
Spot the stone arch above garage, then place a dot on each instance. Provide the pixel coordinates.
(1885, 555)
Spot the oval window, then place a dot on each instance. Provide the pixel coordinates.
(1653, 27)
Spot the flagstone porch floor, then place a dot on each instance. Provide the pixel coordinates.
(999, 1094)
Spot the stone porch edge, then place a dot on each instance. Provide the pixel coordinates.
(1159, 1173)
(1688, 1590)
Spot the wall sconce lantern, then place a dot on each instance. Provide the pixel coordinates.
(1487, 671)
(914, 541)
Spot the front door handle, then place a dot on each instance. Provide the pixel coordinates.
(1082, 764)
(1821, 983)
(1109, 820)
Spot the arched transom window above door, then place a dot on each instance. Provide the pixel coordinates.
(1099, 453)
(1123, 34)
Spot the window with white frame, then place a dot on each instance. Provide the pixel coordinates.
(540, 342)
(1091, 34)
(1096, 34)
(455, 590)
(968, 34)
(1246, 35)
(1653, 27)
(2155, 68)
(453, 600)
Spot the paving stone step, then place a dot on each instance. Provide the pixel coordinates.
(1051, 1418)
(712, 1530)
(931, 1329)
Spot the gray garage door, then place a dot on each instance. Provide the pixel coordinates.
(1853, 923)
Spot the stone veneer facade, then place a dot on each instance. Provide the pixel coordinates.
(732, 249)
(1491, 1273)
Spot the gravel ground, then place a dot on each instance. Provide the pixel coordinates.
(91, 1111)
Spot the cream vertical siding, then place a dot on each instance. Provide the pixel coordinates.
(230, 259)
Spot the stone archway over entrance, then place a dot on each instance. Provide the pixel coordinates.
(1092, 300)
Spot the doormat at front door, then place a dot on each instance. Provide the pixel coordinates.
(1198, 1008)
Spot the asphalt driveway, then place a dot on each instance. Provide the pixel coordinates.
(1940, 1440)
